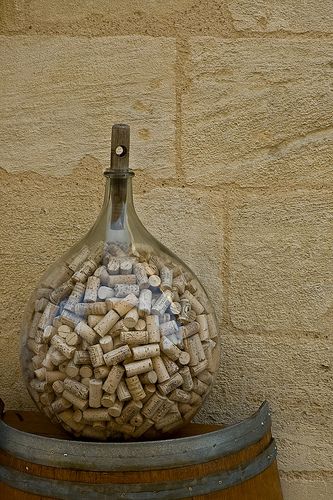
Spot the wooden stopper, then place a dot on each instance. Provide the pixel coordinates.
(76, 388)
(111, 383)
(145, 302)
(79, 403)
(131, 318)
(153, 328)
(145, 351)
(81, 358)
(138, 367)
(123, 393)
(160, 369)
(169, 385)
(134, 338)
(96, 355)
(96, 415)
(117, 355)
(92, 287)
(95, 393)
(109, 320)
(123, 306)
(135, 388)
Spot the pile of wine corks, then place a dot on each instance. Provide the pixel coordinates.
(121, 344)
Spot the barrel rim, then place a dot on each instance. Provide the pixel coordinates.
(143, 455)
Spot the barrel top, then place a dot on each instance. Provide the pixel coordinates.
(143, 455)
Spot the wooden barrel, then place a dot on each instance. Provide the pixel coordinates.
(38, 460)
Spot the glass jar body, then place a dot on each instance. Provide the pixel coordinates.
(119, 339)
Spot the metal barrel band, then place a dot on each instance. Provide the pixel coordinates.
(134, 491)
(163, 454)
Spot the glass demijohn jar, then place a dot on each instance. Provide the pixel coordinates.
(119, 338)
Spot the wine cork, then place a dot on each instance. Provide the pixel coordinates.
(134, 338)
(175, 307)
(137, 420)
(72, 339)
(116, 409)
(190, 347)
(75, 297)
(34, 324)
(162, 410)
(124, 305)
(203, 326)
(169, 385)
(172, 426)
(91, 433)
(119, 326)
(170, 349)
(117, 355)
(85, 371)
(106, 343)
(154, 281)
(153, 328)
(145, 351)
(141, 276)
(40, 304)
(149, 377)
(63, 331)
(69, 318)
(76, 388)
(130, 319)
(145, 298)
(53, 376)
(111, 383)
(96, 355)
(166, 275)
(199, 348)
(135, 388)
(200, 387)
(147, 424)
(36, 347)
(48, 333)
(122, 290)
(195, 304)
(152, 405)
(184, 358)
(179, 283)
(93, 319)
(77, 416)
(170, 365)
(86, 333)
(81, 358)
(60, 404)
(184, 316)
(187, 378)
(129, 410)
(95, 415)
(200, 367)
(47, 361)
(101, 372)
(195, 400)
(126, 266)
(190, 329)
(77, 261)
(44, 292)
(169, 419)
(40, 373)
(50, 312)
(156, 260)
(123, 393)
(96, 308)
(150, 269)
(138, 367)
(140, 325)
(37, 361)
(160, 369)
(58, 387)
(161, 304)
(79, 403)
(85, 381)
(104, 292)
(62, 347)
(87, 268)
(169, 328)
(113, 266)
(92, 287)
(107, 400)
(109, 320)
(180, 396)
(120, 279)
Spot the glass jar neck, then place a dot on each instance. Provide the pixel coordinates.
(118, 201)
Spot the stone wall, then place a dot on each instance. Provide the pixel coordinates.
(230, 105)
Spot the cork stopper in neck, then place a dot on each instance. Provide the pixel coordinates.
(120, 144)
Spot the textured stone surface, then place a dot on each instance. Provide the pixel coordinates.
(259, 112)
(295, 375)
(307, 489)
(60, 96)
(281, 261)
(285, 15)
